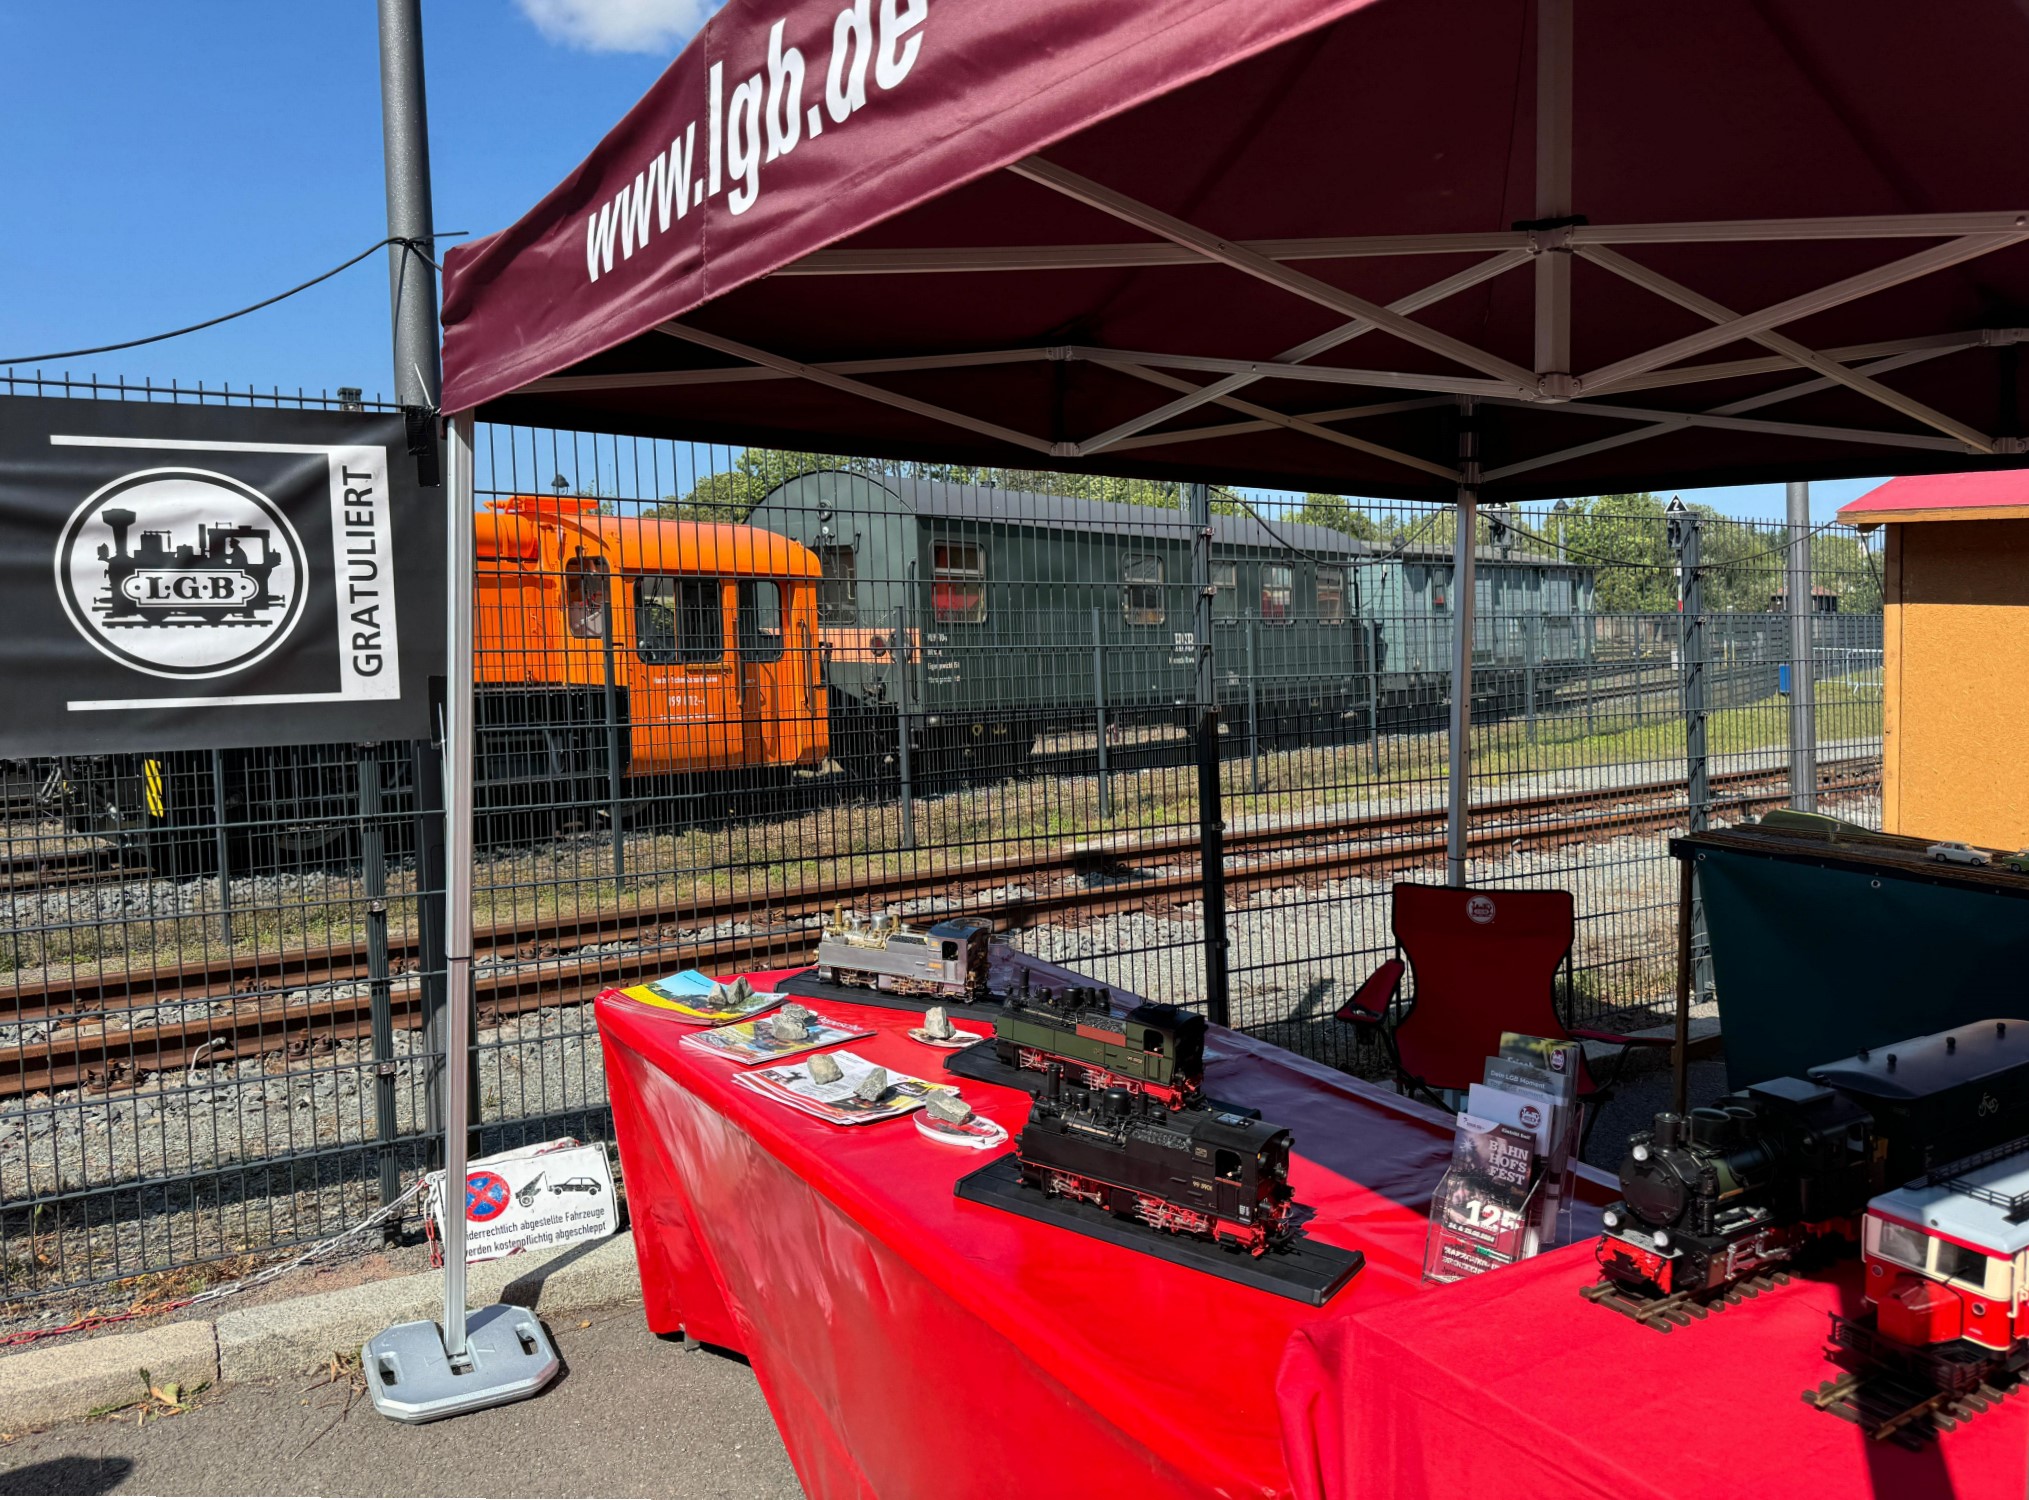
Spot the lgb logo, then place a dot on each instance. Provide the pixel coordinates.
(181, 573)
(1480, 909)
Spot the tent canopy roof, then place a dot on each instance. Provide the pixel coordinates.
(1285, 242)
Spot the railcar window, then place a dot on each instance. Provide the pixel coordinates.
(585, 597)
(1141, 600)
(838, 589)
(1225, 591)
(1331, 596)
(759, 620)
(679, 620)
(1901, 1244)
(1278, 591)
(958, 583)
(1957, 1263)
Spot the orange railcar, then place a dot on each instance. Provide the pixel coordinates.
(691, 648)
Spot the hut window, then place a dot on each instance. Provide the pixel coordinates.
(1278, 591)
(958, 583)
(1141, 601)
(1331, 596)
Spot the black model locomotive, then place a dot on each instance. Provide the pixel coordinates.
(1153, 1049)
(1197, 1171)
(1752, 1182)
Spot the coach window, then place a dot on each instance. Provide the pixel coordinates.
(1899, 1243)
(958, 583)
(1141, 601)
(760, 620)
(1278, 592)
(585, 597)
(838, 589)
(1331, 596)
(679, 621)
(1225, 593)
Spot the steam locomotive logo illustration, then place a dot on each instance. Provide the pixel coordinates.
(181, 573)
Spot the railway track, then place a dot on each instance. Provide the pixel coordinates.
(248, 1005)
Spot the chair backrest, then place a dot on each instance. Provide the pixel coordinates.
(1485, 962)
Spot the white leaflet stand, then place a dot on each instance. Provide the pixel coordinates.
(418, 1372)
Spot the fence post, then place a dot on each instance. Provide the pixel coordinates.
(898, 653)
(1373, 629)
(613, 788)
(219, 845)
(1253, 714)
(373, 876)
(1803, 716)
(1211, 806)
(1531, 650)
(1099, 718)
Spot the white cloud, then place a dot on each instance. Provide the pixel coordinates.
(619, 25)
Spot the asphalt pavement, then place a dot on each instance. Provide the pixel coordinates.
(630, 1415)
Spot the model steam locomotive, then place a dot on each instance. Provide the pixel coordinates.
(882, 953)
(1154, 1049)
(1198, 1171)
(1769, 1172)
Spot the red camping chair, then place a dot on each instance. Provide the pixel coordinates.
(1485, 962)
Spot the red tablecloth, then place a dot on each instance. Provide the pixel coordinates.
(912, 1344)
(1512, 1386)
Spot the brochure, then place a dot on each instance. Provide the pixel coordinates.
(691, 996)
(756, 1042)
(838, 1102)
(1479, 1218)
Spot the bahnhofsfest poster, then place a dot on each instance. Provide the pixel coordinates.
(178, 576)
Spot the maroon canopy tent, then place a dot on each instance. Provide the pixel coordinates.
(1281, 242)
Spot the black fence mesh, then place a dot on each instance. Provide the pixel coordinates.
(724, 692)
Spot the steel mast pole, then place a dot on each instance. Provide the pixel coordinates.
(1803, 716)
(1211, 805)
(416, 1372)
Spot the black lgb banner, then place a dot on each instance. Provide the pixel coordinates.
(178, 577)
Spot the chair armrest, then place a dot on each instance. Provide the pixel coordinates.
(1369, 1004)
(1620, 1039)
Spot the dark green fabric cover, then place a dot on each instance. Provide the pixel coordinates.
(1813, 962)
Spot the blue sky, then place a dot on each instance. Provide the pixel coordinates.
(171, 161)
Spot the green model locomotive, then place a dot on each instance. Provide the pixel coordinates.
(1153, 1049)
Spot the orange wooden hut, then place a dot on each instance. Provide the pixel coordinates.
(1955, 728)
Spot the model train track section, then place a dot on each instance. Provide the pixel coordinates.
(248, 1006)
(1889, 1409)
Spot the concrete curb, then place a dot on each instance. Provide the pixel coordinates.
(298, 1335)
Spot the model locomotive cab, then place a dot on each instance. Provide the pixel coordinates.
(1947, 1261)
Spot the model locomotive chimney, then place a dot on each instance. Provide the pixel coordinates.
(118, 521)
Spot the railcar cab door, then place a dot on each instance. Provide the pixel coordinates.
(759, 619)
(688, 717)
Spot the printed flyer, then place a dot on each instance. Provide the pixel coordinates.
(1479, 1218)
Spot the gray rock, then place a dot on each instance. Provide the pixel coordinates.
(797, 1012)
(824, 1070)
(937, 1023)
(949, 1107)
(873, 1086)
(788, 1029)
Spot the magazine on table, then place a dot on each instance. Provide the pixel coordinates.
(1480, 1216)
(691, 996)
(756, 1041)
(838, 1101)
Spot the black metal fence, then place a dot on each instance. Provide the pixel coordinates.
(722, 692)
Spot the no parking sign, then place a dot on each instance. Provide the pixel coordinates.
(535, 1198)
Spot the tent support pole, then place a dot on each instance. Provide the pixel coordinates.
(1803, 727)
(1459, 789)
(1553, 192)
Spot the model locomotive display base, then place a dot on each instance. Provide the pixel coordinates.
(1679, 1309)
(978, 1064)
(1303, 1269)
(809, 987)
